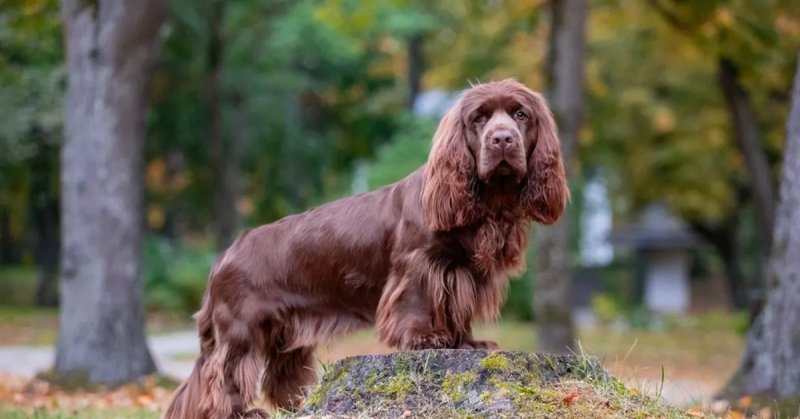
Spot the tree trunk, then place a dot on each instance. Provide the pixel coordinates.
(231, 170)
(111, 48)
(416, 65)
(723, 238)
(565, 75)
(225, 214)
(748, 139)
(175, 165)
(770, 365)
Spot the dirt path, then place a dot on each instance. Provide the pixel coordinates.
(170, 353)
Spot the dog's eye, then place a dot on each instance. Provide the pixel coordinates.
(480, 119)
(520, 116)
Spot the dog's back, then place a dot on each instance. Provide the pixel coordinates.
(283, 288)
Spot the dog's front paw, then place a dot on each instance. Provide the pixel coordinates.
(429, 341)
(253, 414)
(480, 344)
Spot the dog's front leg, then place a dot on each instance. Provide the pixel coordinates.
(407, 319)
(468, 341)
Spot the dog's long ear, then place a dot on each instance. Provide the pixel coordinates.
(546, 193)
(449, 197)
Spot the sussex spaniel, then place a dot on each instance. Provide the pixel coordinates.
(420, 259)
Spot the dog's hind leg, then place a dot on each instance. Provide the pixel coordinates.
(232, 368)
(190, 397)
(288, 377)
(232, 378)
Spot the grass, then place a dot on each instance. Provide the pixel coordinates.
(17, 284)
(688, 350)
(25, 325)
(35, 326)
(30, 413)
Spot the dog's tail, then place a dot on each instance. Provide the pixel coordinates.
(189, 399)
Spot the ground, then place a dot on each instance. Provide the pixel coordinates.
(696, 355)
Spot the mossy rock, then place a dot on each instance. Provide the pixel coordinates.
(476, 384)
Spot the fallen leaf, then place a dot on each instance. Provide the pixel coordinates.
(406, 414)
(744, 402)
(144, 400)
(733, 414)
(571, 397)
(696, 412)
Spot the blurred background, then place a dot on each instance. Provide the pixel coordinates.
(673, 130)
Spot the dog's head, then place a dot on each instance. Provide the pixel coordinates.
(498, 133)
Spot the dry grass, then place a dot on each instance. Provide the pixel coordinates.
(30, 413)
(21, 325)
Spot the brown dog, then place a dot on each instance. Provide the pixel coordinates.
(420, 258)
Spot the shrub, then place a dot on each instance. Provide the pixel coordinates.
(175, 274)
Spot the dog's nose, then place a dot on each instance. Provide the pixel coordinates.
(502, 138)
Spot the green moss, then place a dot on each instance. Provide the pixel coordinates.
(533, 408)
(617, 388)
(402, 362)
(487, 397)
(531, 401)
(505, 368)
(320, 393)
(453, 385)
(371, 379)
(398, 386)
(495, 362)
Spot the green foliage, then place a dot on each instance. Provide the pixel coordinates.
(714, 320)
(303, 98)
(671, 136)
(31, 74)
(605, 308)
(32, 81)
(175, 275)
(406, 151)
(519, 304)
(664, 122)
